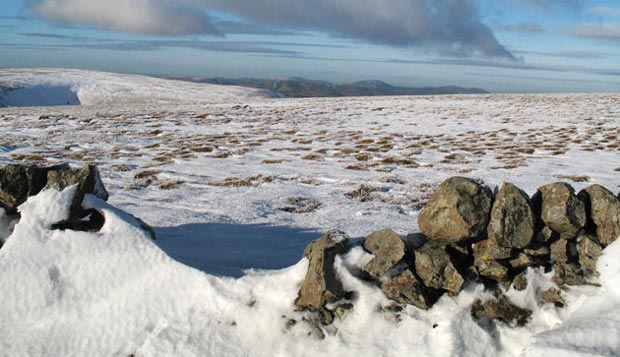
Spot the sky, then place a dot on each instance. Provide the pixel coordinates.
(498, 45)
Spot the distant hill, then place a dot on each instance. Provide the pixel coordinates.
(296, 87)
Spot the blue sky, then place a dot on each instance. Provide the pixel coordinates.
(499, 45)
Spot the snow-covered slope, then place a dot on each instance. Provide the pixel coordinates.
(115, 293)
(41, 87)
(240, 186)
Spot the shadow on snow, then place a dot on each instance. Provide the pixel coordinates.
(229, 249)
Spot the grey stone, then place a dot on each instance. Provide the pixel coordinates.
(321, 286)
(488, 249)
(569, 274)
(604, 209)
(388, 249)
(552, 296)
(561, 209)
(458, 210)
(436, 268)
(500, 309)
(512, 218)
(546, 235)
(523, 261)
(563, 251)
(18, 182)
(406, 288)
(589, 252)
(491, 269)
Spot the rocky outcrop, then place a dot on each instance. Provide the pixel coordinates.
(321, 285)
(388, 249)
(512, 219)
(458, 210)
(561, 209)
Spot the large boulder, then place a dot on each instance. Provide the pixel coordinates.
(321, 285)
(88, 180)
(512, 218)
(406, 288)
(604, 210)
(437, 269)
(458, 210)
(388, 249)
(560, 209)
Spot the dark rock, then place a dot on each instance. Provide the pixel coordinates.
(560, 209)
(546, 235)
(88, 180)
(569, 274)
(520, 281)
(326, 316)
(388, 249)
(342, 310)
(512, 219)
(492, 269)
(91, 221)
(589, 252)
(604, 210)
(537, 250)
(458, 210)
(436, 268)
(321, 286)
(553, 296)
(500, 309)
(488, 249)
(406, 288)
(18, 182)
(563, 251)
(523, 261)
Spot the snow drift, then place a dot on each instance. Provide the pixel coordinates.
(46, 87)
(114, 292)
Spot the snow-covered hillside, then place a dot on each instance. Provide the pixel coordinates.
(41, 87)
(246, 184)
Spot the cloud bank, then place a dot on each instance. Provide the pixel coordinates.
(151, 17)
(443, 24)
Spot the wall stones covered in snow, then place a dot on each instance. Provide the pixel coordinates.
(473, 235)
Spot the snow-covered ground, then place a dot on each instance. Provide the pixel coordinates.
(40, 87)
(245, 182)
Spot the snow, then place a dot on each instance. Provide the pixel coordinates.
(222, 277)
(46, 87)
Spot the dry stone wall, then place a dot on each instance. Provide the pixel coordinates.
(470, 233)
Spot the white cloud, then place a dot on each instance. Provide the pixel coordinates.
(453, 25)
(152, 17)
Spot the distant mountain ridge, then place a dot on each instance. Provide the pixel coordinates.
(296, 87)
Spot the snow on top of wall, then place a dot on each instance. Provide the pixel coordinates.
(114, 292)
